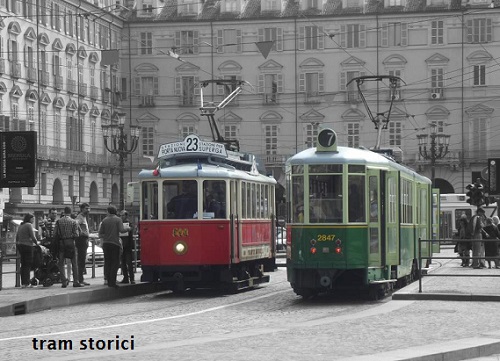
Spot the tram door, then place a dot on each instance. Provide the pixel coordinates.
(235, 220)
(374, 225)
(392, 217)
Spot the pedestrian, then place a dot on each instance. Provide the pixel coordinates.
(26, 240)
(49, 240)
(67, 232)
(464, 246)
(475, 227)
(128, 246)
(109, 231)
(82, 242)
(490, 232)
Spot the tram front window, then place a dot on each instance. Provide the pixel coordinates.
(181, 199)
(325, 198)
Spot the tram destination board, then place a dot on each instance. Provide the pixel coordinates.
(17, 159)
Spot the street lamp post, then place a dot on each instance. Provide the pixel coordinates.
(119, 144)
(436, 149)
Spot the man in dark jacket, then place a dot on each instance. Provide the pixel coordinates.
(128, 249)
(109, 231)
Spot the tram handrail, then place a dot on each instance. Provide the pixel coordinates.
(420, 258)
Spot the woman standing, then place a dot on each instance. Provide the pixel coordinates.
(26, 240)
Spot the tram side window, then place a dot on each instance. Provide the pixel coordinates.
(356, 199)
(181, 198)
(325, 198)
(215, 199)
(149, 200)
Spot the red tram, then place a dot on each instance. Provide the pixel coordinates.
(206, 218)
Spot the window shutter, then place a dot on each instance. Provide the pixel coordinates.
(343, 36)
(321, 38)
(302, 83)
(470, 27)
(302, 40)
(404, 34)
(239, 47)
(177, 85)
(342, 81)
(196, 42)
(177, 40)
(67, 16)
(9, 57)
(321, 82)
(362, 36)
(220, 41)
(385, 35)
(26, 55)
(220, 89)
(137, 86)
(155, 86)
(279, 40)
(260, 82)
(488, 30)
(261, 35)
(196, 87)
(280, 83)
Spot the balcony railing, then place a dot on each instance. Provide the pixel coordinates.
(76, 157)
(436, 94)
(94, 92)
(31, 74)
(271, 98)
(147, 101)
(275, 159)
(58, 82)
(15, 70)
(44, 77)
(82, 89)
(71, 85)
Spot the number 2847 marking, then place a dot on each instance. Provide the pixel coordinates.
(325, 237)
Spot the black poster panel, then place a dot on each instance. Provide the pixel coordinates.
(17, 159)
(494, 177)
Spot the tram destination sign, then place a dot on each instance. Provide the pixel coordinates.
(17, 159)
(192, 144)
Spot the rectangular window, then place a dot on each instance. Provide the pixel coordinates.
(187, 42)
(271, 138)
(57, 125)
(146, 43)
(352, 89)
(230, 37)
(437, 78)
(187, 90)
(353, 135)
(311, 135)
(479, 75)
(312, 4)
(148, 140)
(312, 85)
(230, 131)
(356, 198)
(271, 34)
(231, 6)
(352, 36)
(395, 129)
(187, 130)
(311, 37)
(437, 31)
(479, 30)
(325, 197)
(271, 88)
(394, 34)
(479, 137)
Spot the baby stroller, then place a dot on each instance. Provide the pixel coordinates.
(45, 267)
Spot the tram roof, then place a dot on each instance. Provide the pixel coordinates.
(203, 170)
(346, 155)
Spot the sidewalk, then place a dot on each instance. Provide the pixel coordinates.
(16, 301)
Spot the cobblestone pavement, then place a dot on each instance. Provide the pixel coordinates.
(272, 323)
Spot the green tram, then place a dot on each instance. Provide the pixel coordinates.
(355, 217)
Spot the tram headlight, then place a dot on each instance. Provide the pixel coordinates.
(180, 247)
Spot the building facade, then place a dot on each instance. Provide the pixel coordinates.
(442, 50)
